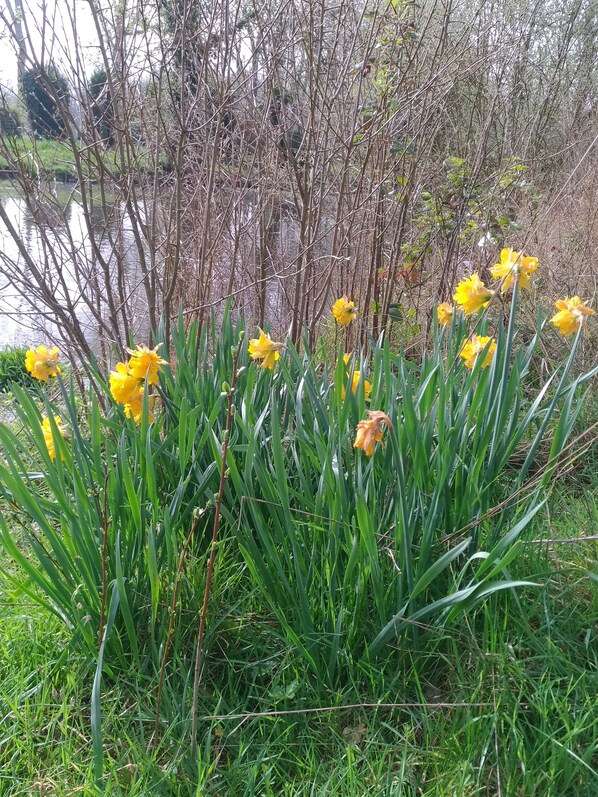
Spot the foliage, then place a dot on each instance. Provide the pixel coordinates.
(467, 205)
(44, 92)
(524, 674)
(12, 368)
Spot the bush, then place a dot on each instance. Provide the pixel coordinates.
(12, 369)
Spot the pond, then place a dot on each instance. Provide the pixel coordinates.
(64, 267)
(48, 254)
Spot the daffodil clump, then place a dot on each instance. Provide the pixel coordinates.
(127, 382)
(362, 524)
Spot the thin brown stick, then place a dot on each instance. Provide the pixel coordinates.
(350, 706)
(175, 592)
(208, 585)
(104, 556)
(557, 541)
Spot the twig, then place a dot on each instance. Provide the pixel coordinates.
(175, 592)
(206, 595)
(104, 555)
(350, 706)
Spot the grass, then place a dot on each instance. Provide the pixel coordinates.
(48, 158)
(526, 668)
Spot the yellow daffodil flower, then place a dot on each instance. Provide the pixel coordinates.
(369, 432)
(134, 408)
(367, 387)
(571, 316)
(145, 363)
(344, 310)
(444, 313)
(264, 349)
(42, 362)
(47, 433)
(124, 387)
(474, 346)
(471, 294)
(513, 267)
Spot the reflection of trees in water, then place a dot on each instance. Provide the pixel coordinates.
(56, 271)
(83, 265)
(254, 251)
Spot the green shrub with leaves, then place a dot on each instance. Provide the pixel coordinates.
(12, 368)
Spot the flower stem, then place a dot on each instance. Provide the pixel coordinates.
(212, 556)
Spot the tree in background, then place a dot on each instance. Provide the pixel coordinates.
(9, 121)
(44, 92)
(103, 118)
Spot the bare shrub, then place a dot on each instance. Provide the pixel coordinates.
(284, 153)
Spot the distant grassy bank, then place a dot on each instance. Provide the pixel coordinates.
(51, 159)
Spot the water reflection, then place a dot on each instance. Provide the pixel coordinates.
(86, 264)
(55, 260)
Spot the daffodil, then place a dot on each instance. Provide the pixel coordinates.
(42, 362)
(344, 310)
(471, 294)
(444, 313)
(47, 433)
(355, 377)
(145, 363)
(476, 345)
(571, 316)
(367, 387)
(513, 267)
(134, 407)
(369, 432)
(124, 387)
(264, 349)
